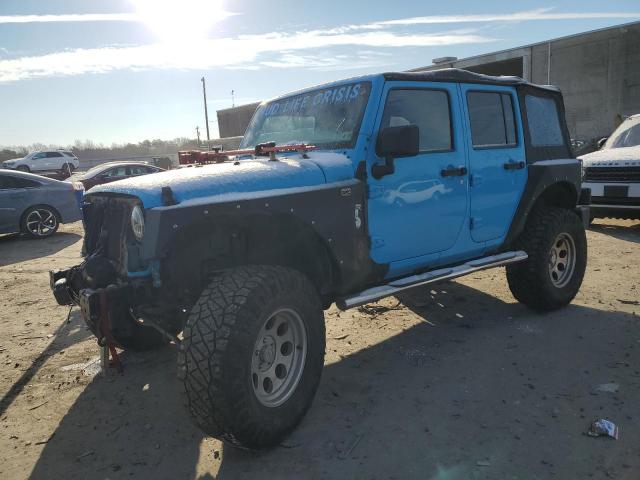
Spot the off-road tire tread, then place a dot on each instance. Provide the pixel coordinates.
(529, 280)
(223, 314)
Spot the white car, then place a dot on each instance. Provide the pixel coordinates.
(45, 161)
(613, 173)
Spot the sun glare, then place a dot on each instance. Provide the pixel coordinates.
(179, 20)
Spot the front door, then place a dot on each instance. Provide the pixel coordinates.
(421, 207)
(497, 160)
(39, 162)
(12, 199)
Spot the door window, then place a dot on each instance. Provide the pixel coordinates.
(428, 109)
(492, 119)
(38, 156)
(53, 154)
(137, 170)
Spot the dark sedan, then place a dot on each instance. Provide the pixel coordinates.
(110, 172)
(36, 205)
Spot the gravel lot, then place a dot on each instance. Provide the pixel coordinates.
(472, 386)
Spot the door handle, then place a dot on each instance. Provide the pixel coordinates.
(454, 172)
(511, 165)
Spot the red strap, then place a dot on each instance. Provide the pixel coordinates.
(105, 329)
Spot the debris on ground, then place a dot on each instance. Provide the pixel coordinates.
(355, 443)
(603, 427)
(608, 387)
(483, 463)
(629, 302)
(375, 309)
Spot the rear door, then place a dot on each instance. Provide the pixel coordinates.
(55, 160)
(498, 168)
(420, 208)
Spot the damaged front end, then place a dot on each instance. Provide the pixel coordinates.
(114, 286)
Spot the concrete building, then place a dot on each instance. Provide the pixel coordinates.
(598, 73)
(232, 122)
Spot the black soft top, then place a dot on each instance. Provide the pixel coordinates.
(523, 88)
(457, 75)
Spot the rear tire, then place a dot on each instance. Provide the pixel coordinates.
(555, 240)
(67, 170)
(240, 382)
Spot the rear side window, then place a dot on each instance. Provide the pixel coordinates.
(10, 182)
(492, 119)
(69, 154)
(138, 170)
(116, 172)
(428, 109)
(543, 121)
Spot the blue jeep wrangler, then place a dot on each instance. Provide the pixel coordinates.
(396, 181)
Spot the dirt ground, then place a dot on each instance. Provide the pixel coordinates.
(472, 386)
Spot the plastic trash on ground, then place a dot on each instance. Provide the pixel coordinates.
(603, 427)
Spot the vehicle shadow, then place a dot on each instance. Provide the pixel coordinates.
(630, 233)
(16, 248)
(70, 332)
(473, 387)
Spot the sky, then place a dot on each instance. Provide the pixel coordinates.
(118, 71)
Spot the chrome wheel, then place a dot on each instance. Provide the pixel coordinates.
(562, 260)
(41, 222)
(278, 357)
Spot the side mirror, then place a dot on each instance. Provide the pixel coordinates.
(601, 142)
(395, 142)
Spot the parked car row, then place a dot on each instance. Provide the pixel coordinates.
(36, 205)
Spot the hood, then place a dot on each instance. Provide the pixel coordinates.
(613, 157)
(12, 160)
(218, 180)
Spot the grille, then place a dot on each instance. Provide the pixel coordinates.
(106, 220)
(612, 174)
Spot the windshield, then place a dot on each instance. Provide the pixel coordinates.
(626, 135)
(328, 118)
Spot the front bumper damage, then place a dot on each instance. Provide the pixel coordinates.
(107, 310)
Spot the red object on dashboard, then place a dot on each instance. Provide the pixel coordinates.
(189, 157)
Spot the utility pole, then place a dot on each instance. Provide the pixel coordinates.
(198, 134)
(233, 99)
(206, 114)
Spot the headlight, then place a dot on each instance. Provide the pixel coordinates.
(137, 222)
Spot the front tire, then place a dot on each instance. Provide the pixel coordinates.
(555, 240)
(24, 168)
(40, 221)
(252, 355)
